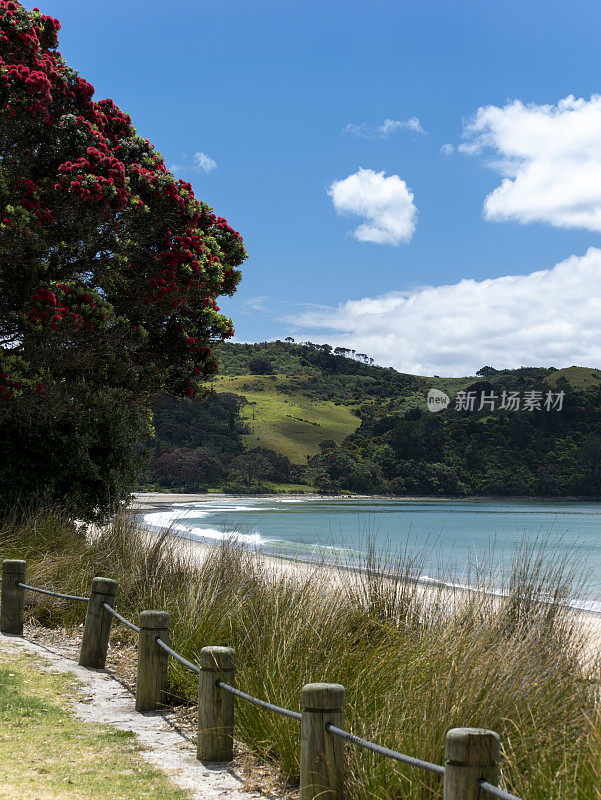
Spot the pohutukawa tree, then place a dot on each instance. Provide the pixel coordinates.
(110, 268)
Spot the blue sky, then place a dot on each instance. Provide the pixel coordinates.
(267, 90)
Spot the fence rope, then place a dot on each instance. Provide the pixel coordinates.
(129, 624)
(384, 751)
(177, 656)
(284, 712)
(487, 787)
(52, 594)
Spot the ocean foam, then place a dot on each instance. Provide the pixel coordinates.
(167, 519)
(172, 521)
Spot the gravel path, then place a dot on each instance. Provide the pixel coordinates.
(106, 701)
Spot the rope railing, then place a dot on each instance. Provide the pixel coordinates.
(118, 616)
(384, 751)
(494, 791)
(471, 766)
(52, 594)
(284, 712)
(177, 656)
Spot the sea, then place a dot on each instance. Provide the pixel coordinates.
(464, 543)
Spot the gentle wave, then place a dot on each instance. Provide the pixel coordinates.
(167, 519)
(163, 520)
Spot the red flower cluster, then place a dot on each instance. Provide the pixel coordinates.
(98, 178)
(82, 90)
(35, 90)
(31, 201)
(32, 76)
(47, 29)
(222, 224)
(65, 305)
(115, 123)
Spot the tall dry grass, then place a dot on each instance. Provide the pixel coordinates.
(415, 662)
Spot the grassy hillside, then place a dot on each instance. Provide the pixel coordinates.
(284, 415)
(288, 423)
(577, 377)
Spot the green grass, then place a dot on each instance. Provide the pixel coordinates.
(297, 488)
(577, 377)
(290, 424)
(46, 753)
(414, 664)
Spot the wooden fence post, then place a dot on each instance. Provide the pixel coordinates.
(322, 754)
(471, 755)
(12, 600)
(215, 740)
(97, 628)
(152, 659)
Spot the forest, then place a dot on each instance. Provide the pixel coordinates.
(242, 437)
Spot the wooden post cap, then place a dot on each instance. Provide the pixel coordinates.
(219, 659)
(104, 586)
(475, 747)
(323, 696)
(14, 565)
(154, 620)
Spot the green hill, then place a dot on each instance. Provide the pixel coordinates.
(289, 423)
(576, 377)
(281, 414)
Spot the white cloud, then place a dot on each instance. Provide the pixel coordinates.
(447, 149)
(204, 162)
(254, 304)
(550, 317)
(386, 203)
(199, 161)
(549, 157)
(384, 130)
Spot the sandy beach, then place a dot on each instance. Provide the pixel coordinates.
(198, 551)
(151, 501)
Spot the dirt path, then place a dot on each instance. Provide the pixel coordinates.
(106, 701)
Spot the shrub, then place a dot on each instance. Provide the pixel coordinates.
(260, 366)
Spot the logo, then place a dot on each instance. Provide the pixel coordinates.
(437, 400)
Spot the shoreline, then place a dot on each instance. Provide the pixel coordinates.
(296, 566)
(149, 501)
(145, 503)
(299, 568)
(295, 561)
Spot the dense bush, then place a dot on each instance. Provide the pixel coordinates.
(191, 470)
(260, 366)
(505, 453)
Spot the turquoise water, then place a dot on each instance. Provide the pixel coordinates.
(451, 539)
